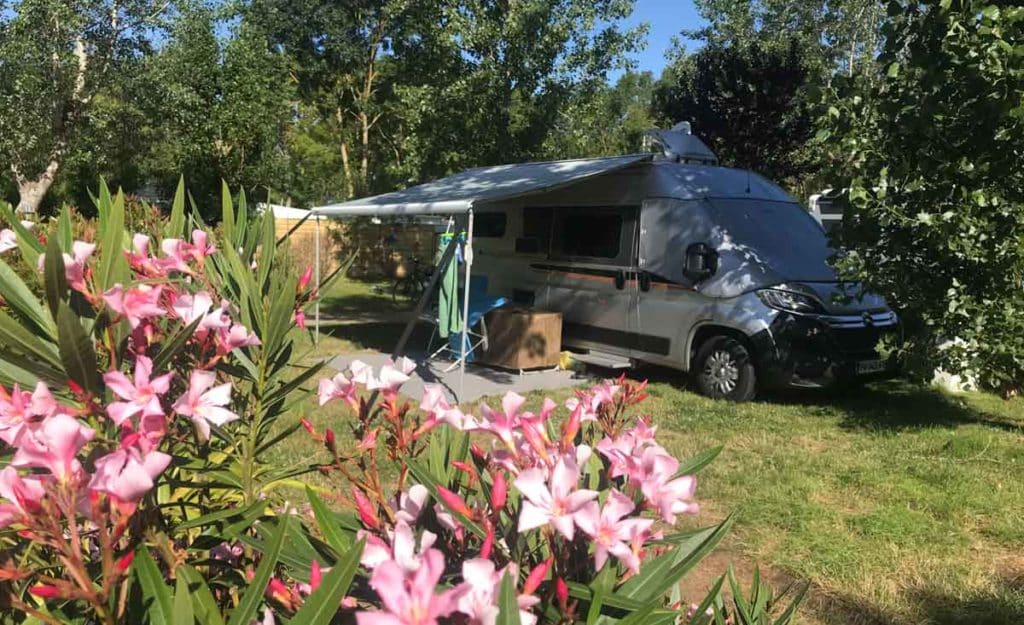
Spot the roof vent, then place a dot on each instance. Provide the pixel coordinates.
(679, 145)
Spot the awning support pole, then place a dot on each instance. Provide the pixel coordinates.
(468, 255)
(316, 271)
(435, 277)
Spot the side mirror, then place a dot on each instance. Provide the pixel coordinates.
(701, 262)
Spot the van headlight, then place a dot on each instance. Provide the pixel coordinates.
(791, 301)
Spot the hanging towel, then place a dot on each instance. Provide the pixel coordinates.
(448, 320)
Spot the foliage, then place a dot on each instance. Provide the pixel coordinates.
(749, 103)
(151, 413)
(929, 162)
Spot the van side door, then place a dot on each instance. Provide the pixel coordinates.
(667, 307)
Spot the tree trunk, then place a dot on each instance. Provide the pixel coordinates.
(32, 192)
(346, 168)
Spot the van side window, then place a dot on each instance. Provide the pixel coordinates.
(536, 231)
(489, 225)
(601, 233)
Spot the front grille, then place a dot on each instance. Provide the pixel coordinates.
(861, 341)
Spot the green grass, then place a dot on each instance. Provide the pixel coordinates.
(900, 504)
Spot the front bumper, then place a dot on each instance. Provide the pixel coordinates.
(800, 350)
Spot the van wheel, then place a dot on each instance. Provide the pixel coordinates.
(723, 370)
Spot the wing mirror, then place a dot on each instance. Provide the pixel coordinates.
(701, 262)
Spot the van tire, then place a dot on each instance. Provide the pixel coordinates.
(723, 369)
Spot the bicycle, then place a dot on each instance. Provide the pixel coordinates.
(413, 283)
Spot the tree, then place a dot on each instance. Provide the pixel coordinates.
(749, 103)
(55, 56)
(929, 157)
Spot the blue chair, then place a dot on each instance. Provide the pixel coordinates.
(480, 303)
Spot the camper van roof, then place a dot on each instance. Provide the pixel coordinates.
(707, 181)
(458, 193)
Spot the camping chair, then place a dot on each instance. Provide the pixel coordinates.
(480, 303)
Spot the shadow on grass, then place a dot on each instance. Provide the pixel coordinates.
(362, 305)
(891, 405)
(380, 337)
(897, 405)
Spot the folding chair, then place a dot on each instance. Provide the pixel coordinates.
(480, 303)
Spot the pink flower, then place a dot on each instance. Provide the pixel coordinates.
(410, 600)
(300, 318)
(392, 376)
(135, 303)
(338, 387)
(478, 593)
(53, 446)
(304, 279)
(435, 405)
(19, 410)
(556, 505)
(127, 474)
(502, 424)
(74, 264)
(204, 406)
(238, 336)
(141, 261)
(411, 503)
(403, 550)
(142, 395)
(21, 495)
(8, 240)
(610, 531)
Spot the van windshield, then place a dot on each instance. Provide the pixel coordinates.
(780, 235)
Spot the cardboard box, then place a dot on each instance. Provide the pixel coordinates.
(523, 338)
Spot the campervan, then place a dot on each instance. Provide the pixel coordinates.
(678, 262)
(666, 258)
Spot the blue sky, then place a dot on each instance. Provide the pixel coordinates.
(665, 19)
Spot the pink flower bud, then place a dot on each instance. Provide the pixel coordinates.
(488, 544)
(454, 502)
(562, 592)
(330, 441)
(367, 512)
(536, 576)
(307, 275)
(307, 425)
(45, 592)
(499, 491)
(315, 576)
(125, 561)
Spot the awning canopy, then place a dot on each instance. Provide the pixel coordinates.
(459, 193)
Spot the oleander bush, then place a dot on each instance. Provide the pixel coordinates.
(143, 378)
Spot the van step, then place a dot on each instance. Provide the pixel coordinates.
(602, 359)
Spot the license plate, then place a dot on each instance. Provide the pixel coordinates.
(870, 366)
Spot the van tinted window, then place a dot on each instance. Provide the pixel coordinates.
(536, 231)
(489, 225)
(604, 233)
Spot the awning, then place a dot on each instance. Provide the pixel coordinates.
(459, 193)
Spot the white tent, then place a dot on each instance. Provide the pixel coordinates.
(459, 194)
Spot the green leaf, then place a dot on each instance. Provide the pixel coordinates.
(508, 604)
(113, 267)
(55, 284)
(709, 600)
(327, 523)
(76, 351)
(250, 601)
(600, 587)
(893, 71)
(227, 214)
(64, 234)
(172, 346)
(322, 605)
(183, 613)
(175, 227)
(15, 335)
(425, 477)
(155, 592)
(28, 243)
(790, 611)
(22, 301)
(203, 603)
(698, 462)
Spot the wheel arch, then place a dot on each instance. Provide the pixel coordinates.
(704, 331)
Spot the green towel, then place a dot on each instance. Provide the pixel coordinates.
(448, 320)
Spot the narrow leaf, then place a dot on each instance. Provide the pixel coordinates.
(55, 283)
(155, 592)
(250, 601)
(327, 523)
(203, 602)
(76, 351)
(176, 224)
(183, 613)
(508, 605)
(322, 605)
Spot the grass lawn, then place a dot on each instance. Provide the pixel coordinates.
(900, 504)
